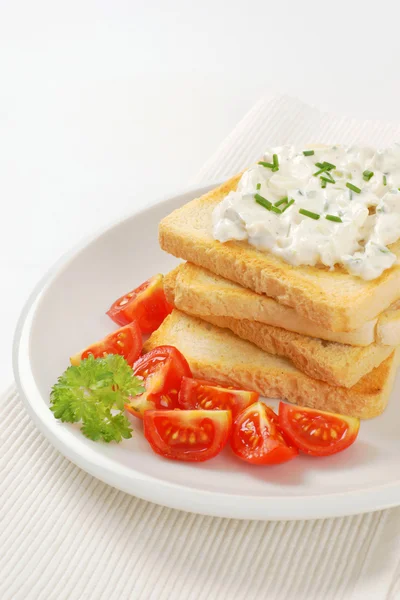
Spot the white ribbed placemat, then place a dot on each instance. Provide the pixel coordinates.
(66, 535)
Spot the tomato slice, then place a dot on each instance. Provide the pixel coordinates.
(162, 370)
(146, 304)
(317, 432)
(190, 435)
(202, 394)
(126, 341)
(258, 439)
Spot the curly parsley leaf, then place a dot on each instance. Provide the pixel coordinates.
(94, 393)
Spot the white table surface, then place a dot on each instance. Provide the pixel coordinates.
(106, 106)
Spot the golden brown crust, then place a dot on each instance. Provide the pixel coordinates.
(337, 364)
(218, 354)
(209, 294)
(334, 300)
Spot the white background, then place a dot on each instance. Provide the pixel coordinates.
(105, 106)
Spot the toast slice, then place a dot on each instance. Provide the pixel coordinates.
(334, 299)
(337, 364)
(388, 327)
(202, 293)
(219, 355)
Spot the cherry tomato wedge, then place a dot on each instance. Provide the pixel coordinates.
(202, 394)
(257, 437)
(317, 432)
(146, 304)
(126, 341)
(162, 370)
(190, 435)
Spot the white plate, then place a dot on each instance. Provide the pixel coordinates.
(67, 311)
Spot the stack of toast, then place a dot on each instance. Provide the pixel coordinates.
(313, 336)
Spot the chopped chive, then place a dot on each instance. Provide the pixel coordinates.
(333, 218)
(323, 182)
(308, 213)
(275, 210)
(328, 178)
(275, 160)
(258, 186)
(308, 152)
(354, 188)
(263, 201)
(265, 164)
(367, 175)
(287, 205)
(281, 201)
(319, 172)
(325, 166)
(384, 180)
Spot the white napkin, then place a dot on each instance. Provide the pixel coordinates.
(66, 535)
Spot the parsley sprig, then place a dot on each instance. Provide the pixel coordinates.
(94, 393)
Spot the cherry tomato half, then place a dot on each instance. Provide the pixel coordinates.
(146, 304)
(162, 370)
(317, 432)
(257, 437)
(126, 341)
(190, 435)
(199, 393)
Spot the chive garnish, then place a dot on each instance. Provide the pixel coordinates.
(263, 201)
(265, 164)
(275, 160)
(308, 152)
(322, 170)
(287, 205)
(354, 188)
(325, 166)
(367, 175)
(328, 178)
(308, 213)
(258, 186)
(275, 210)
(281, 201)
(323, 182)
(384, 180)
(333, 218)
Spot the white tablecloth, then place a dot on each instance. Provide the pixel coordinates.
(63, 534)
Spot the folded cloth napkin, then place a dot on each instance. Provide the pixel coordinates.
(66, 535)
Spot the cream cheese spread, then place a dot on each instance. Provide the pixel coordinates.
(322, 206)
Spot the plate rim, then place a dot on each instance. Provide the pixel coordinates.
(149, 488)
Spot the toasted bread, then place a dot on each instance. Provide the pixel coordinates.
(337, 364)
(211, 294)
(333, 299)
(200, 292)
(388, 326)
(218, 354)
